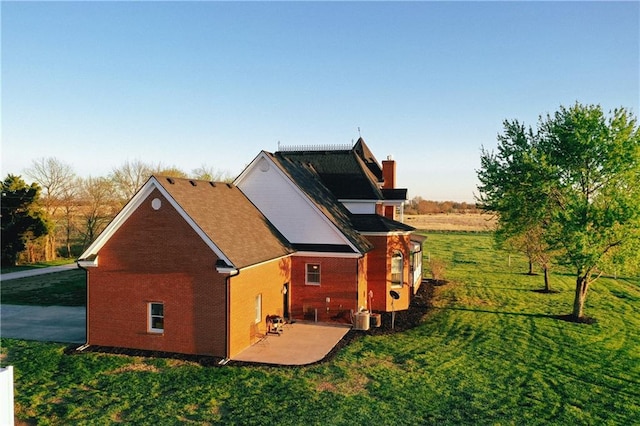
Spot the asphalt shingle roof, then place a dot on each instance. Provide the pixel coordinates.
(229, 219)
(377, 223)
(352, 174)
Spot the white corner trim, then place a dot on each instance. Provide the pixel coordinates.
(133, 205)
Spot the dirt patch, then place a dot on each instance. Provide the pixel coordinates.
(136, 367)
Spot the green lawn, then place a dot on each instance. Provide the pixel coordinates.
(490, 353)
(57, 262)
(67, 288)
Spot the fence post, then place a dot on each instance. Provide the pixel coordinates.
(6, 396)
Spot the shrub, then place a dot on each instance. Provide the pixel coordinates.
(438, 269)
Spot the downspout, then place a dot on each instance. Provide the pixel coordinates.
(358, 288)
(227, 282)
(86, 311)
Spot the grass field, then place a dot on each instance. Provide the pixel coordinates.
(469, 222)
(491, 352)
(57, 262)
(66, 288)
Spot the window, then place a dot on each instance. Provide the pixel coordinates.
(396, 269)
(156, 317)
(258, 308)
(313, 274)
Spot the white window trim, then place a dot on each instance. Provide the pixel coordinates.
(306, 274)
(258, 307)
(150, 317)
(393, 283)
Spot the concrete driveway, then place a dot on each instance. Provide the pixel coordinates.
(37, 271)
(66, 324)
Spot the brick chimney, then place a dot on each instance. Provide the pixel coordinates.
(389, 173)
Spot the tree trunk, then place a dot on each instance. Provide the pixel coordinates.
(547, 287)
(582, 285)
(530, 267)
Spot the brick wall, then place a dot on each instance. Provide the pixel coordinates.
(378, 271)
(338, 282)
(156, 257)
(268, 280)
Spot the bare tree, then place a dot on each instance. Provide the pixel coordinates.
(209, 173)
(129, 177)
(99, 206)
(56, 179)
(171, 171)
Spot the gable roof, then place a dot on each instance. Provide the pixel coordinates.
(219, 213)
(306, 179)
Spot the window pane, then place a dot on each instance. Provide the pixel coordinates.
(313, 273)
(396, 268)
(157, 323)
(157, 309)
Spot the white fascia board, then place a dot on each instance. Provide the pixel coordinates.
(88, 263)
(131, 207)
(325, 254)
(247, 170)
(231, 271)
(263, 155)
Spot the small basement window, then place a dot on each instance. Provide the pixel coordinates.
(156, 317)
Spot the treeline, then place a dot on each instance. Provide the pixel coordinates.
(60, 213)
(419, 206)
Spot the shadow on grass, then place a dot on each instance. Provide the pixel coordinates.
(485, 311)
(500, 288)
(545, 291)
(566, 318)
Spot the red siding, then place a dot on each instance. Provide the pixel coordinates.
(155, 256)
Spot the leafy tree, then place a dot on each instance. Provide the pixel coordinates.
(513, 182)
(21, 219)
(578, 177)
(595, 189)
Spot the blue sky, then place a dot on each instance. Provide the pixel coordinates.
(187, 84)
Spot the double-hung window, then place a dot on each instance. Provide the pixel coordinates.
(312, 276)
(397, 267)
(156, 317)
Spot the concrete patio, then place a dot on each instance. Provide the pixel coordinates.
(300, 343)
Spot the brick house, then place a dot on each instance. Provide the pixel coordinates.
(196, 267)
